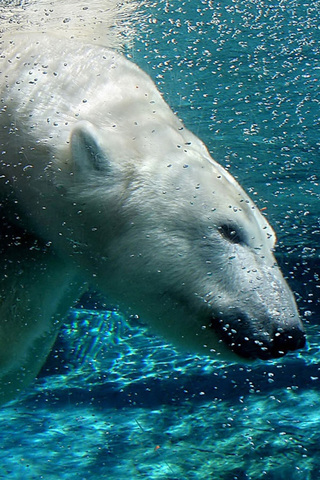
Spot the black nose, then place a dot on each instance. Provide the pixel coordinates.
(251, 344)
(268, 347)
(287, 340)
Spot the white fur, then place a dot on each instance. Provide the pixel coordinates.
(105, 22)
(98, 171)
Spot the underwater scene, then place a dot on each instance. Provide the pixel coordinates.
(116, 402)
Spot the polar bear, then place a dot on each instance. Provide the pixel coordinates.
(102, 185)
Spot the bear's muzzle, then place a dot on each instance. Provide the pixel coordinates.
(259, 343)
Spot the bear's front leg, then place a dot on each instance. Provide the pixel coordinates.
(36, 290)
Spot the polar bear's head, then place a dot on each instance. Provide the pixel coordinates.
(109, 177)
(175, 238)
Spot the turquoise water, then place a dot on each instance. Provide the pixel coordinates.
(113, 402)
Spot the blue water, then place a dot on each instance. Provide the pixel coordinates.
(113, 402)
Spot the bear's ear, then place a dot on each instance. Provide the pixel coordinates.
(86, 148)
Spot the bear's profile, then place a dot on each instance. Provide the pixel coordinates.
(101, 185)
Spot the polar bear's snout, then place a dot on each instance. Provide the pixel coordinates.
(254, 338)
(285, 340)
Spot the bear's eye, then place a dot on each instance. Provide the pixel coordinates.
(231, 233)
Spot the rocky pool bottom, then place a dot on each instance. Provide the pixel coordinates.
(114, 403)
